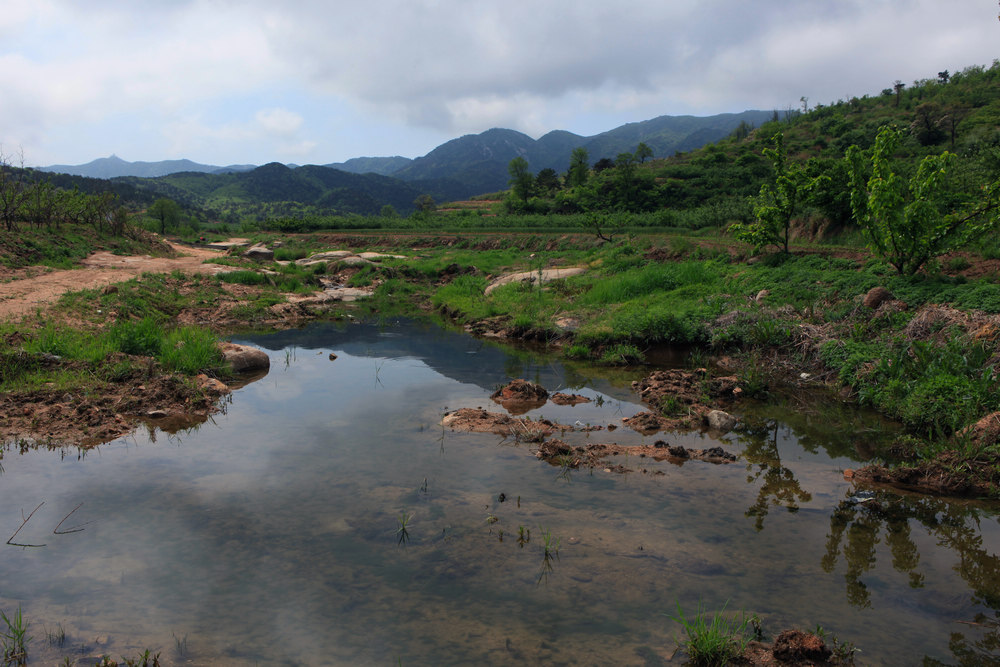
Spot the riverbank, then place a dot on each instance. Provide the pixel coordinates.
(921, 350)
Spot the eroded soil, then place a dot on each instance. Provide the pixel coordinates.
(25, 292)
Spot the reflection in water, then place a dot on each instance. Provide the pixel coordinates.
(779, 486)
(273, 535)
(858, 521)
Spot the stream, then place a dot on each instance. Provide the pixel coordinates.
(327, 518)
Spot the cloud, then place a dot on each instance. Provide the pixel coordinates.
(231, 72)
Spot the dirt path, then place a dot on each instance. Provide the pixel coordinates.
(23, 296)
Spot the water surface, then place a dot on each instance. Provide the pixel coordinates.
(270, 535)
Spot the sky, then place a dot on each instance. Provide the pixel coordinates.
(313, 81)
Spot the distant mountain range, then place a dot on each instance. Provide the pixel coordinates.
(111, 167)
(469, 165)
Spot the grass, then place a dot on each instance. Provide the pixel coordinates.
(14, 639)
(67, 356)
(402, 532)
(713, 639)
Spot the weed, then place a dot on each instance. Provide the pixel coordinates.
(523, 536)
(716, 642)
(621, 354)
(670, 406)
(550, 544)
(56, 637)
(402, 534)
(180, 645)
(15, 639)
(144, 660)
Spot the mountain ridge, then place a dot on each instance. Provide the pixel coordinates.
(474, 163)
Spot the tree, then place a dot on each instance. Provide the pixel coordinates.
(927, 125)
(776, 204)
(943, 77)
(522, 183)
(908, 221)
(602, 164)
(643, 151)
(898, 86)
(13, 190)
(579, 168)
(388, 211)
(167, 211)
(547, 180)
(625, 179)
(424, 204)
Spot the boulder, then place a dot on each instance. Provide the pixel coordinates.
(718, 420)
(211, 386)
(244, 358)
(259, 253)
(876, 297)
(327, 256)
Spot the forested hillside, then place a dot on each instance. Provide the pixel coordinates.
(712, 185)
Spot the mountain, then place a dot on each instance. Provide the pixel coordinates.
(384, 166)
(277, 189)
(457, 169)
(477, 163)
(114, 166)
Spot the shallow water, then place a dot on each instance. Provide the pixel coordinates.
(271, 534)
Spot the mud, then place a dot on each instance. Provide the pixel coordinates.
(520, 396)
(598, 455)
(148, 396)
(477, 420)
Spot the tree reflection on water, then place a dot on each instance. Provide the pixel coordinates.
(860, 520)
(778, 484)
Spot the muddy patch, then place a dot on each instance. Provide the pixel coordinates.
(520, 396)
(600, 455)
(478, 420)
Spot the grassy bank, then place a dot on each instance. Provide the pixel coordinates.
(926, 355)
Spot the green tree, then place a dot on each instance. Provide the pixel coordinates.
(547, 180)
(777, 203)
(522, 183)
(643, 151)
(579, 168)
(424, 203)
(909, 221)
(898, 86)
(603, 164)
(625, 179)
(166, 211)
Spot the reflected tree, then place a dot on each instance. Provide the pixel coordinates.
(778, 484)
(860, 522)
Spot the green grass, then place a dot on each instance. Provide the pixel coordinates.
(14, 638)
(713, 639)
(67, 356)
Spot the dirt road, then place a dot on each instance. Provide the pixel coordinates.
(22, 297)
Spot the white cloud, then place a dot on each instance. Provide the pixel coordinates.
(219, 75)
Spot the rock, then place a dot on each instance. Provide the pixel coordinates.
(797, 646)
(157, 414)
(718, 420)
(327, 256)
(761, 295)
(332, 356)
(244, 358)
(560, 398)
(211, 385)
(376, 256)
(355, 261)
(259, 253)
(876, 297)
